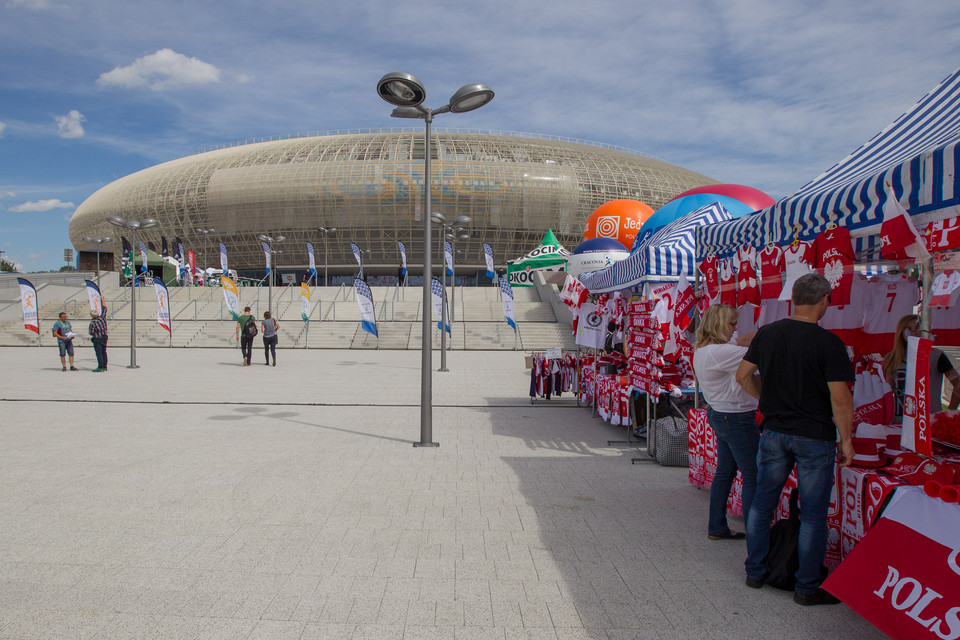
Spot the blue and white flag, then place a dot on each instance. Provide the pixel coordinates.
(368, 317)
(356, 254)
(488, 255)
(508, 303)
(266, 252)
(93, 293)
(163, 303)
(436, 288)
(143, 257)
(313, 264)
(28, 303)
(223, 260)
(182, 260)
(448, 256)
(403, 258)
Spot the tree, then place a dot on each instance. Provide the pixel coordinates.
(67, 267)
(7, 267)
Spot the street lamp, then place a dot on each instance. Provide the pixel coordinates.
(205, 233)
(459, 234)
(407, 94)
(132, 226)
(269, 240)
(98, 242)
(446, 232)
(324, 231)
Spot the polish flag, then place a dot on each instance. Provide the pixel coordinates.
(899, 239)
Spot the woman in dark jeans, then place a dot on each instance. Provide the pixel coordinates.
(731, 414)
(269, 330)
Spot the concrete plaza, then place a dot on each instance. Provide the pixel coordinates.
(195, 498)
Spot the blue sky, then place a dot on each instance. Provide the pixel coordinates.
(763, 93)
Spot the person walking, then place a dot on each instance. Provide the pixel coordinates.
(805, 401)
(731, 413)
(269, 328)
(243, 335)
(63, 331)
(98, 335)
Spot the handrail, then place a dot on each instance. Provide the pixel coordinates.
(337, 294)
(177, 315)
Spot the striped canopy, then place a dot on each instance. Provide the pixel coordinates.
(916, 155)
(662, 257)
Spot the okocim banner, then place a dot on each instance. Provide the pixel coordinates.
(548, 256)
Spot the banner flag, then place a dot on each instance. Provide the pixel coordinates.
(899, 239)
(143, 257)
(223, 260)
(448, 256)
(181, 259)
(230, 296)
(508, 313)
(28, 302)
(164, 250)
(93, 293)
(356, 254)
(266, 253)
(403, 258)
(127, 247)
(916, 434)
(163, 304)
(313, 264)
(305, 302)
(365, 301)
(488, 256)
(192, 261)
(436, 287)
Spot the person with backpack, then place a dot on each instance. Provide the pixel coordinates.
(269, 327)
(246, 332)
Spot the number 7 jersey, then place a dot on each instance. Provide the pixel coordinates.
(891, 296)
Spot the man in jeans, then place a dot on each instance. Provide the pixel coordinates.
(98, 336)
(246, 342)
(805, 401)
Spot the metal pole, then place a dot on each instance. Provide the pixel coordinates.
(326, 275)
(133, 304)
(426, 350)
(441, 242)
(270, 282)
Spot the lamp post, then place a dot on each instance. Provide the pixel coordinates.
(446, 232)
(132, 226)
(98, 242)
(407, 94)
(206, 264)
(324, 231)
(458, 234)
(270, 240)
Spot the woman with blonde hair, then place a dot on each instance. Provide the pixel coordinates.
(895, 370)
(731, 413)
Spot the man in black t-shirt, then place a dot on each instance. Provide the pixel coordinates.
(805, 401)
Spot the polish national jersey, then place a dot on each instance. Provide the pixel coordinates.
(945, 320)
(771, 272)
(728, 283)
(846, 321)
(889, 297)
(748, 288)
(834, 257)
(943, 287)
(796, 262)
(711, 278)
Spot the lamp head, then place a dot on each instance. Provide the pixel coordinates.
(117, 221)
(462, 219)
(401, 89)
(470, 97)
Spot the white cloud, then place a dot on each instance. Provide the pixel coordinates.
(36, 5)
(3, 126)
(164, 69)
(6, 194)
(42, 205)
(70, 125)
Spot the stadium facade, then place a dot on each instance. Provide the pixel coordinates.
(369, 186)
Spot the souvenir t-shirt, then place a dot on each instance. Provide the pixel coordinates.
(771, 272)
(890, 296)
(728, 283)
(943, 287)
(796, 263)
(801, 357)
(834, 257)
(711, 278)
(846, 321)
(748, 288)
(945, 321)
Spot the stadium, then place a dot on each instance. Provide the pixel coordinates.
(368, 185)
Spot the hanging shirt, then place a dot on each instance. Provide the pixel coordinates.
(943, 287)
(796, 263)
(771, 272)
(748, 287)
(945, 321)
(889, 297)
(834, 258)
(728, 283)
(711, 278)
(846, 321)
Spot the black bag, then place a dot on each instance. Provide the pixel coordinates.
(250, 328)
(783, 558)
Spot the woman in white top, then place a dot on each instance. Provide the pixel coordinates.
(731, 414)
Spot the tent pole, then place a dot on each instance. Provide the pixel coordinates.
(926, 285)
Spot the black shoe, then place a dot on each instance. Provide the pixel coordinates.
(814, 598)
(274, 363)
(731, 535)
(266, 364)
(73, 368)
(754, 584)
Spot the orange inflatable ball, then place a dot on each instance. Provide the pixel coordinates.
(617, 219)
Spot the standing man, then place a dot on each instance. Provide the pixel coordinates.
(64, 334)
(805, 401)
(98, 335)
(246, 341)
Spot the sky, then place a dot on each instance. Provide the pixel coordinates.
(765, 93)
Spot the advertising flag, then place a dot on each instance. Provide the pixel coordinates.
(127, 247)
(143, 257)
(230, 296)
(899, 239)
(93, 293)
(181, 259)
(152, 247)
(266, 253)
(916, 434)
(313, 264)
(28, 302)
(192, 261)
(356, 254)
(508, 313)
(403, 258)
(223, 259)
(305, 302)
(448, 256)
(488, 256)
(163, 303)
(436, 287)
(368, 316)
(164, 250)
